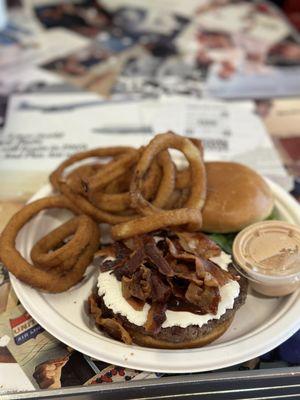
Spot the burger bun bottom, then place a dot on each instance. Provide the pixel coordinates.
(150, 341)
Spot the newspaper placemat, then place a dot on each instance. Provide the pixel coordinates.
(34, 140)
(31, 358)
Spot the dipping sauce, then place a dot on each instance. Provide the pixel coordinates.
(268, 254)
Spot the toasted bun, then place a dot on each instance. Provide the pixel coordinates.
(236, 197)
(150, 341)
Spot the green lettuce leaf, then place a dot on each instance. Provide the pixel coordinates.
(224, 240)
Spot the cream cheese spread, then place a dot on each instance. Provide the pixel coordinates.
(223, 260)
(111, 290)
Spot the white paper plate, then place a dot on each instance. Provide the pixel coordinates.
(259, 326)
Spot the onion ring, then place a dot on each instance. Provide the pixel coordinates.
(198, 144)
(167, 183)
(119, 185)
(76, 192)
(87, 208)
(74, 178)
(65, 256)
(111, 171)
(183, 179)
(116, 202)
(30, 274)
(57, 175)
(165, 190)
(161, 219)
(162, 142)
(110, 202)
(174, 199)
(152, 180)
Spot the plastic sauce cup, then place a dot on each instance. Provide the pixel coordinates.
(267, 253)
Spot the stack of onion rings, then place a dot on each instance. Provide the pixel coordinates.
(53, 278)
(134, 190)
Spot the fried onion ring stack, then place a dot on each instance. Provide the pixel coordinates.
(62, 268)
(135, 191)
(138, 190)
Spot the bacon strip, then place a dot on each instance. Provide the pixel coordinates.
(139, 285)
(121, 253)
(160, 291)
(211, 273)
(177, 290)
(198, 244)
(186, 272)
(156, 257)
(133, 262)
(109, 265)
(203, 271)
(207, 298)
(113, 327)
(177, 251)
(156, 317)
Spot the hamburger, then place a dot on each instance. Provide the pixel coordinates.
(167, 289)
(236, 197)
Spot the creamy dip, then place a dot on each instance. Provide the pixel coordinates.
(268, 253)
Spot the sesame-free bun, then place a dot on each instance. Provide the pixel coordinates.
(236, 197)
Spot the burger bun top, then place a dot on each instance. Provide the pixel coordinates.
(236, 197)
